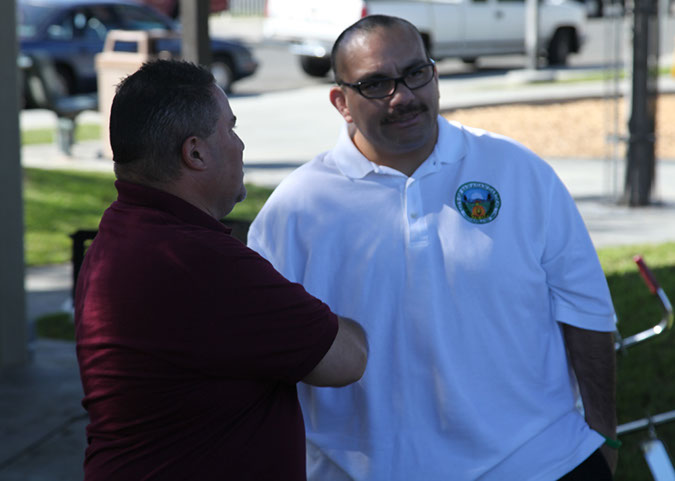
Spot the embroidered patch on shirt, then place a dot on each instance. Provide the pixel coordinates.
(478, 202)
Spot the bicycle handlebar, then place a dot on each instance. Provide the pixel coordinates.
(667, 319)
(647, 275)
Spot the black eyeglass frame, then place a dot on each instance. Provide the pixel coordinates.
(357, 86)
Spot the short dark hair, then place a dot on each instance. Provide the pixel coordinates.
(154, 110)
(367, 24)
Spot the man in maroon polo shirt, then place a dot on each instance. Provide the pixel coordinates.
(190, 345)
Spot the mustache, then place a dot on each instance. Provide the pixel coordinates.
(402, 111)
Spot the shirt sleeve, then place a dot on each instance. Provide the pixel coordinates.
(578, 287)
(300, 328)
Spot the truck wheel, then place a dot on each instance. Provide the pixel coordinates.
(315, 67)
(562, 44)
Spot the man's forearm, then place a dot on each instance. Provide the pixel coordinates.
(593, 359)
(346, 359)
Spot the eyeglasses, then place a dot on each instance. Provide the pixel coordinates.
(385, 87)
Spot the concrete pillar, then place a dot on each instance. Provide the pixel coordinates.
(194, 16)
(532, 33)
(13, 329)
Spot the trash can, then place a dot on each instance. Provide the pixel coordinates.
(123, 53)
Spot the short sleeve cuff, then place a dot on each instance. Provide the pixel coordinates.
(324, 343)
(585, 320)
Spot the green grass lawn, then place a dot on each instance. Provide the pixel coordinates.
(58, 203)
(645, 371)
(47, 135)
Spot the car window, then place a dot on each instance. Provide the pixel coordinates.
(92, 24)
(100, 19)
(135, 18)
(61, 28)
(82, 23)
(29, 19)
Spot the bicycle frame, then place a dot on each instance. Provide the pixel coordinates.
(654, 450)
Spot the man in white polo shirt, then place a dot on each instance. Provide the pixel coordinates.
(475, 277)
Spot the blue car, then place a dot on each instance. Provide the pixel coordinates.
(72, 32)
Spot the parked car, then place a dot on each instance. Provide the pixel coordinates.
(171, 7)
(72, 32)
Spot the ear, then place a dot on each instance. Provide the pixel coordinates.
(192, 153)
(339, 101)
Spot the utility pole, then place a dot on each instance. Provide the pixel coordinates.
(532, 33)
(640, 157)
(13, 328)
(194, 15)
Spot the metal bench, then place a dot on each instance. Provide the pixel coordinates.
(47, 92)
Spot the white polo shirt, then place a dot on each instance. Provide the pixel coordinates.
(458, 274)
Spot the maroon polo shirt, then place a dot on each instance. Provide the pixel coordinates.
(190, 346)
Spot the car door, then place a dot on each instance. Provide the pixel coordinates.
(447, 17)
(495, 26)
(510, 24)
(76, 37)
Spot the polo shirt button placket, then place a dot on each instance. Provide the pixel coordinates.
(417, 225)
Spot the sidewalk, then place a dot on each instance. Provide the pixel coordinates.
(42, 423)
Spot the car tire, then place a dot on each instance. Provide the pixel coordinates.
(315, 67)
(222, 71)
(561, 46)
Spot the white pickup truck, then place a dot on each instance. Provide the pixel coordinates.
(465, 29)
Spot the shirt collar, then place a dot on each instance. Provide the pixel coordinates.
(451, 143)
(351, 162)
(450, 147)
(145, 196)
